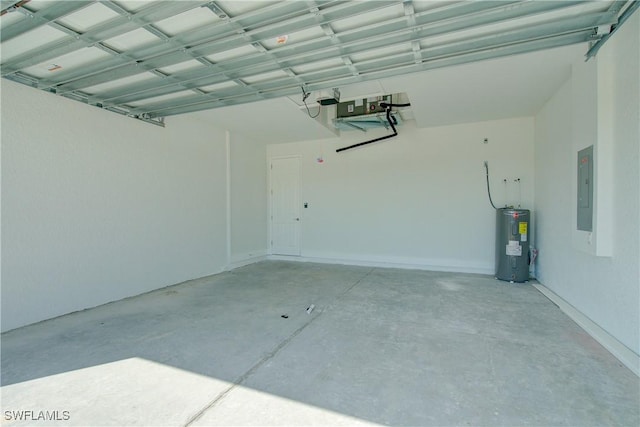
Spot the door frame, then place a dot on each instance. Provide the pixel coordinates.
(270, 200)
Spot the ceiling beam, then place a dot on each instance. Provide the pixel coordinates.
(101, 32)
(208, 42)
(302, 53)
(593, 50)
(332, 78)
(35, 19)
(164, 37)
(363, 40)
(400, 40)
(526, 47)
(178, 45)
(10, 5)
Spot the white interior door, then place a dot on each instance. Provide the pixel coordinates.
(285, 206)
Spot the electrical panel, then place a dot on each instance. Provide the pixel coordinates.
(363, 106)
(585, 189)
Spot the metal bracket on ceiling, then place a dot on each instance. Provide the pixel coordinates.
(348, 123)
(13, 5)
(595, 47)
(158, 121)
(23, 78)
(94, 102)
(217, 10)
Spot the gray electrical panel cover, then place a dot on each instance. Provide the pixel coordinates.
(585, 189)
(512, 244)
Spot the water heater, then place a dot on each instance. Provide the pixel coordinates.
(512, 244)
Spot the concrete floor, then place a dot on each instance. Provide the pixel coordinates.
(382, 346)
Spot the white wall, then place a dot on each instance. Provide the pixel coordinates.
(606, 289)
(97, 206)
(418, 199)
(248, 199)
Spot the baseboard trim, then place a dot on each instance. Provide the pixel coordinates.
(245, 261)
(383, 264)
(625, 355)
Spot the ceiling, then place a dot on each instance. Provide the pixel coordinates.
(514, 86)
(237, 59)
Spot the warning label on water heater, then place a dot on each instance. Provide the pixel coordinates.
(522, 228)
(514, 248)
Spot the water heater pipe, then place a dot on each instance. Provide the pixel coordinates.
(486, 166)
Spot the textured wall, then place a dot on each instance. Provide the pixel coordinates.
(418, 199)
(604, 288)
(248, 198)
(97, 206)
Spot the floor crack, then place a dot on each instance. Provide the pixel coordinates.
(250, 372)
(350, 288)
(240, 380)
